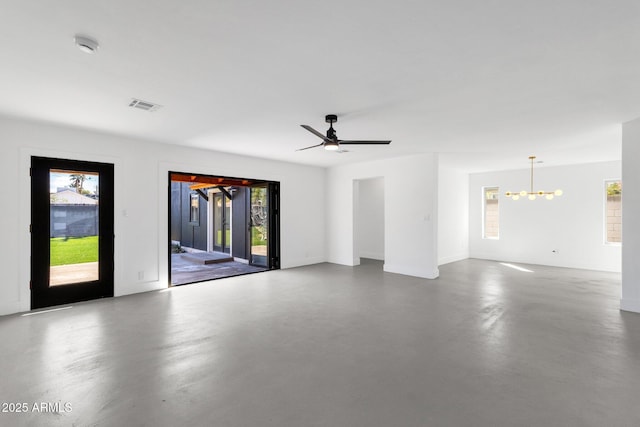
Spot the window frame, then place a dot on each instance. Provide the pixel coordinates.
(192, 197)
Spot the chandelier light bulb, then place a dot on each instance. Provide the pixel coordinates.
(549, 196)
(516, 197)
(532, 196)
(523, 193)
(558, 192)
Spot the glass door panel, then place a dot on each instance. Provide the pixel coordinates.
(218, 219)
(259, 226)
(227, 225)
(75, 233)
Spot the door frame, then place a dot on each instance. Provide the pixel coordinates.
(273, 225)
(42, 295)
(274, 219)
(224, 223)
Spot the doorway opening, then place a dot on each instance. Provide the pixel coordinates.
(369, 228)
(221, 227)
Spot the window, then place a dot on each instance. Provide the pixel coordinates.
(491, 217)
(194, 212)
(613, 211)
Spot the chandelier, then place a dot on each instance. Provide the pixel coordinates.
(532, 194)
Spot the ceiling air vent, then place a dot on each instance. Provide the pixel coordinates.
(143, 105)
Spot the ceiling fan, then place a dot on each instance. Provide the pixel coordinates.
(331, 142)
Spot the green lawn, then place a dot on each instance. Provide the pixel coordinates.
(74, 250)
(256, 234)
(219, 237)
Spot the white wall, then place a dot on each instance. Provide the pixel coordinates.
(453, 216)
(370, 223)
(410, 217)
(630, 300)
(572, 225)
(141, 197)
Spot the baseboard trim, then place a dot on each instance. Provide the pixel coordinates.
(302, 262)
(140, 287)
(627, 304)
(450, 259)
(372, 255)
(410, 271)
(13, 307)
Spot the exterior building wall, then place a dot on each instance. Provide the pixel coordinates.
(74, 220)
(189, 234)
(614, 219)
(492, 219)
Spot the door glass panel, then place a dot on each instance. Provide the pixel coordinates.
(227, 225)
(217, 221)
(74, 227)
(259, 226)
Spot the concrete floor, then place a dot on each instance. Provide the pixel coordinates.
(328, 345)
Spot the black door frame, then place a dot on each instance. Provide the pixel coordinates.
(273, 242)
(273, 226)
(43, 295)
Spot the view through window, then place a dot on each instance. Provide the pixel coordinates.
(491, 214)
(613, 211)
(74, 228)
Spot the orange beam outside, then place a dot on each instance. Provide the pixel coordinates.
(210, 181)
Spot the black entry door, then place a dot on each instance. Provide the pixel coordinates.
(71, 231)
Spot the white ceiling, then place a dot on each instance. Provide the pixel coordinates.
(486, 83)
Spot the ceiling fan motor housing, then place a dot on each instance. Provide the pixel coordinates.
(330, 118)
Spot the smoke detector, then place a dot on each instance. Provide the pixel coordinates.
(86, 44)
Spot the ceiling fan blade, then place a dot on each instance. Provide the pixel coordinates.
(313, 131)
(348, 142)
(313, 146)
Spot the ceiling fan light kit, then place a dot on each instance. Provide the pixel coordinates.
(330, 141)
(331, 146)
(532, 195)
